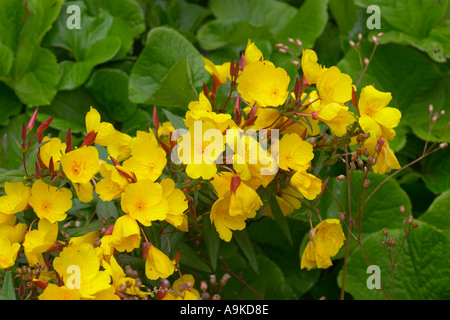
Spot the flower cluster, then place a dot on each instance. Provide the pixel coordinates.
(260, 141)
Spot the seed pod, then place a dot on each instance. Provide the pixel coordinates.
(340, 177)
(410, 220)
(415, 225)
(366, 183)
(360, 162)
(341, 216)
(385, 232)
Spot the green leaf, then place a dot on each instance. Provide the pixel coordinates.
(105, 209)
(436, 172)
(437, 214)
(404, 22)
(176, 121)
(308, 24)
(280, 218)
(345, 13)
(381, 210)
(190, 258)
(10, 105)
(422, 270)
(110, 89)
(153, 75)
(7, 291)
(6, 60)
(271, 13)
(246, 245)
(212, 241)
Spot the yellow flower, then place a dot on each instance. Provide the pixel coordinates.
(85, 191)
(80, 165)
(120, 279)
(232, 207)
(49, 202)
(158, 265)
(252, 53)
(327, 241)
(201, 110)
(126, 234)
(199, 153)
(177, 204)
(375, 115)
(183, 289)
(53, 292)
(165, 129)
(148, 159)
(16, 198)
(262, 83)
(40, 240)
(287, 200)
(8, 252)
(337, 117)
(311, 69)
(144, 202)
(79, 266)
(55, 149)
(13, 232)
(107, 294)
(385, 157)
(307, 184)
(113, 183)
(221, 72)
(294, 153)
(334, 86)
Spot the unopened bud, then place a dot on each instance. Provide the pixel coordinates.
(380, 34)
(366, 61)
(443, 145)
(341, 216)
(224, 279)
(216, 297)
(311, 234)
(212, 279)
(360, 36)
(354, 156)
(366, 152)
(415, 225)
(282, 50)
(435, 117)
(410, 219)
(366, 184)
(391, 242)
(279, 45)
(352, 166)
(385, 232)
(298, 42)
(352, 43)
(290, 40)
(402, 209)
(340, 177)
(430, 108)
(375, 39)
(295, 63)
(442, 112)
(203, 286)
(360, 162)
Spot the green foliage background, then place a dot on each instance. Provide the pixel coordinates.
(131, 55)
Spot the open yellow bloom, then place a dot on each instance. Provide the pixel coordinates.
(8, 252)
(120, 279)
(126, 235)
(375, 115)
(53, 292)
(220, 72)
(80, 165)
(233, 207)
(79, 266)
(55, 149)
(337, 117)
(287, 200)
(307, 184)
(85, 191)
(327, 241)
(147, 159)
(386, 159)
(177, 205)
(49, 202)
(294, 153)
(113, 183)
(158, 264)
(144, 202)
(182, 289)
(16, 198)
(40, 240)
(334, 86)
(311, 69)
(252, 53)
(262, 83)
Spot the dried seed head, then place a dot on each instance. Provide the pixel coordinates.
(352, 166)
(360, 138)
(354, 156)
(341, 216)
(415, 225)
(224, 279)
(366, 152)
(212, 279)
(216, 297)
(390, 242)
(340, 177)
(385, 232)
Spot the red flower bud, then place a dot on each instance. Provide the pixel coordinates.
(156, 122)
(44, 125)
(89, 139)
(235, 182)
(145, 249)
(69, 140)
(32, 121)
